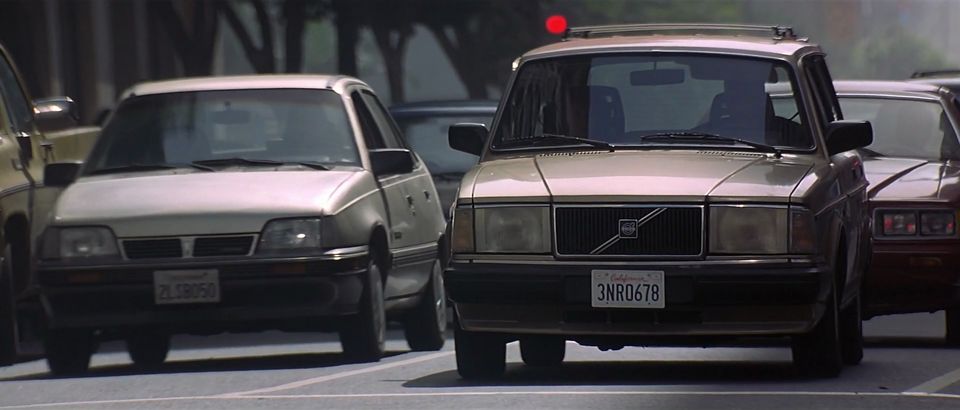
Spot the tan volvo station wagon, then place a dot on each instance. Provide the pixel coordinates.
(243, 203)
(638, 187)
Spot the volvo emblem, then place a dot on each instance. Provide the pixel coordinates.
(628, 229)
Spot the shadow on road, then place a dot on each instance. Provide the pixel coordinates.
(253, 363)
(629, 373)
(906, 342)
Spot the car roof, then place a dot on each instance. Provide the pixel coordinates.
(729, 44)
(445, 107)
(887, 88)
(241, 82)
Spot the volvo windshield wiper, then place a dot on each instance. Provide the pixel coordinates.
(449, 176)
(237, 161)
(705, 136)
(536, 140)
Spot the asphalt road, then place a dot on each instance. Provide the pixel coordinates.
(906, 366)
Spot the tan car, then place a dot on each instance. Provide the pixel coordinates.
(240, 204)
(32, 134)
(639, 187)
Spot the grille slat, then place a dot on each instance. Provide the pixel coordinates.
(677, 231)
(222, 246)
(153, 248)
(207, 246)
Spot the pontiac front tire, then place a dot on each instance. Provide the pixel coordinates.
(363, 337)
(425, 325)
(148, 350)
(68, 351)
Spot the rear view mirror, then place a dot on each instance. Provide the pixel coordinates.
(658, 77)
(468, 137)
(230, 117)
(55, 113)
(846, 135)
(391, 161)
(61, 174)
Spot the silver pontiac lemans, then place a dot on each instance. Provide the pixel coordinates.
(639, 187)
(241, 204)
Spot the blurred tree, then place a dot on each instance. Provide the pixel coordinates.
(261, 58)
(481, 39)
(891, 52)
(192, 28)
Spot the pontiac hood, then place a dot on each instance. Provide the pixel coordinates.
(905, 179)
(639, 176)
(177, 203)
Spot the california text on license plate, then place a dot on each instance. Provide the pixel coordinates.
(186, 286)
(627, 289)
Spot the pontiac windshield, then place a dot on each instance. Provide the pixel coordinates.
(229, 127)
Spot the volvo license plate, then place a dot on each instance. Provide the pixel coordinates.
(627, 289)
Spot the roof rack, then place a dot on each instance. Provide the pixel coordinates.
(935, 73)
(777, 32)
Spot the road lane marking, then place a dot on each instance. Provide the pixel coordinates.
(936, 384)
(340, 375)
(493, 394)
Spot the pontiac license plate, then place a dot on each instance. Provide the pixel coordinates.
(186, 286)
(627, 289)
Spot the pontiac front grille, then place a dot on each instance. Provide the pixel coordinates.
(669, 230)
(153, 248)
(188, 247)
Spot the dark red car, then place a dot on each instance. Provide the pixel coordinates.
(913, 166)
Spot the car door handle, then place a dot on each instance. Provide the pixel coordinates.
(409, 200)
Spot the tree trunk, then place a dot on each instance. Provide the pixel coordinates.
(295, 14)
(348, 33)
(393, 58)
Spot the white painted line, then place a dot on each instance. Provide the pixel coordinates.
(340, 375)
(101, 402)
(495, 393)
(936, 384)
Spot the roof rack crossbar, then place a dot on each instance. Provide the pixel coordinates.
(778, 32)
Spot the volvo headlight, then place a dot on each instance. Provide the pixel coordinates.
(748, 230)
(290, 235)
(512, 229)
(79, 242)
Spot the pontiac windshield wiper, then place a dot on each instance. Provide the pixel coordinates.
(132, 168)
(538, 140)
(312, 164)
(704, 136)
(237, 161)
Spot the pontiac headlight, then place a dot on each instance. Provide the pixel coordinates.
(290, 235)
(512, 229)
(748, 230)
(81, 242)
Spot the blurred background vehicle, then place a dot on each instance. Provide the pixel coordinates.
(32, 134)
(914, 195)
(424, 126)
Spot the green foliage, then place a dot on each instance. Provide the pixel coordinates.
(889, 53)
(656, 11)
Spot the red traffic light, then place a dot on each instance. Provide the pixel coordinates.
(556, 24)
